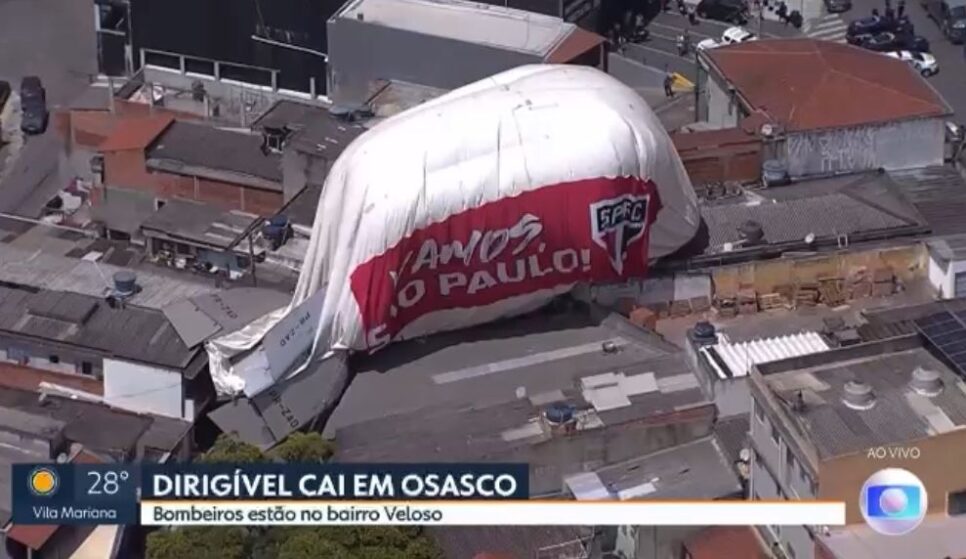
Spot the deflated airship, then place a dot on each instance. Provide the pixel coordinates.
(481, 204)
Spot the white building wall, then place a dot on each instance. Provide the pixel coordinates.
(942, 275)
(145, 389)
(899, 145)
(722, 110)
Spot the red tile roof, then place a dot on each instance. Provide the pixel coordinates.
(29, 378)
(573, 45)
(807, 84)
(136, 132)
(735, 542)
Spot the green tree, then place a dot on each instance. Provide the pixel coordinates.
(227, 449)
(287, 542)
(200, 542)
(304, 447)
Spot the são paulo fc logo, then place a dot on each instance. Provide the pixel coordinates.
(617, 223)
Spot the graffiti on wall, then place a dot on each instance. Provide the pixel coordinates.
(897, 145)
(847, 149)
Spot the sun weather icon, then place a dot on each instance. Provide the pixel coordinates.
(43, 482)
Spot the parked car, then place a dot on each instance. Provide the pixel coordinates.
(924, 63)
(737, 34)
(950, 15)
(877, 24)
(732, 11)
(888, 42)
(838, 6)
(33, 106)
(708, 44)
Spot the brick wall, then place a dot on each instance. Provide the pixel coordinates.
(126, 169)
(720, 155)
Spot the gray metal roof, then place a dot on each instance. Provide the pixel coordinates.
(315, 130)
(938, 193)
(899, 415)
(198, 318)
(10, 455)
(199, 146)
(96, 426)
(201, 223)
(825, 208)
(694, 470)
(469, 429)
(62, 273)
(132, 333)
(541, 352)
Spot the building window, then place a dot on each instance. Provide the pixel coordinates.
(956, 503)
(54, 359)
(774, 435)
(87, 368)
(759, 412)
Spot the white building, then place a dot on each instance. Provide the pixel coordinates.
(824, 108)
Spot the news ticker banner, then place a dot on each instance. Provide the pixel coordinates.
(354, 494)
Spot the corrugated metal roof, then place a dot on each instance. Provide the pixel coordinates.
(807, 84)
(740, 357)
(133, 333)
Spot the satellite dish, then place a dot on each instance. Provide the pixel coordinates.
(767, 130)
(810, 238)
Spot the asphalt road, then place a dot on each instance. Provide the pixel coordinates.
(52, 39)
(661, 50)
(951, 80)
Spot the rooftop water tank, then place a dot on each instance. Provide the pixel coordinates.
(125, 282)
(559, 413)
(774, 173)
(703, 333)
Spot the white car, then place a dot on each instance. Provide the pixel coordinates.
(923, 62)
(708, 44)
(735, 35)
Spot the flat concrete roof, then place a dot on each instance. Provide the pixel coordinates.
(469, 22)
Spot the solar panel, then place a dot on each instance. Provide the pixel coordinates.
(947, 333)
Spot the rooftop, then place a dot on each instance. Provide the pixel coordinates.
(938, 194)
(96, 426)
(938, 536)
(807, 84)
(199, 318)
(136, 133)
(470, 22)
(314, 129)
(131, 333)
(202, 223)
(545, 351)
(740, 541)
(468, 431)
(826, 208)
(510, 542)
(45, 270)
(694, 470)
(217, 153)
(898, 414)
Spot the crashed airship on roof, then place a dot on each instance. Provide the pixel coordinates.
(481, 204)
